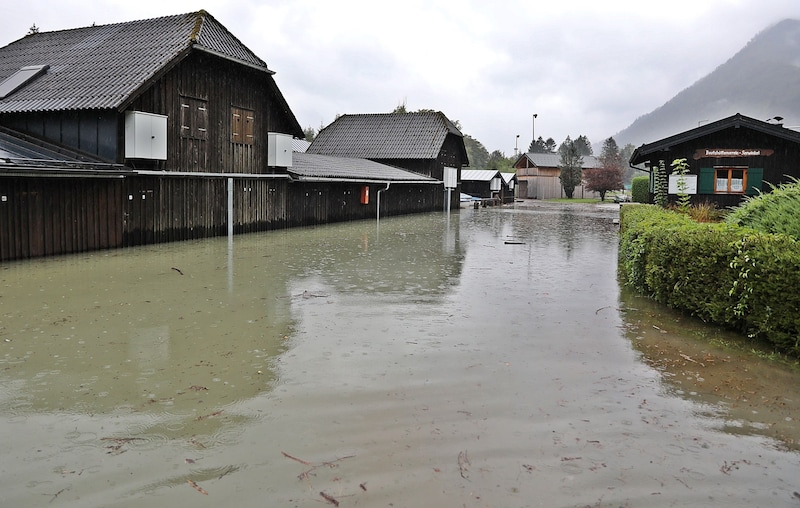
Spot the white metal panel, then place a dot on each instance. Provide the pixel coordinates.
(145, 135)
(279, 150)
(450, 177)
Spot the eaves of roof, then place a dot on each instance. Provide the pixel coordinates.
(643, 152)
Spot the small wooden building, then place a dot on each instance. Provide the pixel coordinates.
(508, 187)
(728, 159)
(482, 183)
(538, 176)
(423, 142)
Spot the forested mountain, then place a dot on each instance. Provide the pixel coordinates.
(760, 81)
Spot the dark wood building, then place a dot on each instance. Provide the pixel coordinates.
(424, 142)
(482, 183)
(728, 159)
(164, 130)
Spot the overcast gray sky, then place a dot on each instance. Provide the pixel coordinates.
(586, 67)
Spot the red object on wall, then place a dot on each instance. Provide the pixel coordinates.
(365, 195)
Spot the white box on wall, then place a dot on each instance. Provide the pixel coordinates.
(279, 149)
(145, 135)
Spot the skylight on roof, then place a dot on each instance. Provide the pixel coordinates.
(20, 78)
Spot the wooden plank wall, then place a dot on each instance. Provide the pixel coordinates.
(50, 216)
(54, 216)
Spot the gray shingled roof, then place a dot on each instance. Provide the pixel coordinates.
(552, 160)
(385, 136)
(101, 67)
(308, 166)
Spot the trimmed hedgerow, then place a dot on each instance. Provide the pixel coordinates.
(640, 189)
(722, 273)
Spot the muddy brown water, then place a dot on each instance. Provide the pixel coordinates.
(487, 358)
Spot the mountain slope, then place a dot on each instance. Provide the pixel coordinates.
(761, 81)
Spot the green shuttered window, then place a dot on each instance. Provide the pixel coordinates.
(730, 180)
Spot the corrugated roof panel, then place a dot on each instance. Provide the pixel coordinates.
(312, 166)
(478, 175)
(101, 67)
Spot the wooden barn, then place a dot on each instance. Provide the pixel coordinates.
(537, 175)
(423, 142)
(728, 159)
(481, 183)
(162, 130)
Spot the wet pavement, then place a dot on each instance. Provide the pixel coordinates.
(486, 358)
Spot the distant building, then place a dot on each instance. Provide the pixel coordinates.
(538, 176)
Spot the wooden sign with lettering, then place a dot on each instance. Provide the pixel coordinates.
(718, 153)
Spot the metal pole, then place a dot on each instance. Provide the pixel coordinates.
(533, 128)
(230, 206)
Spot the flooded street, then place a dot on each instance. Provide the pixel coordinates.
(485, 359)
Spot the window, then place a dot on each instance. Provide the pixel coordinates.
(242, 123)
(194, 118)
(730, 180)
(20, 78)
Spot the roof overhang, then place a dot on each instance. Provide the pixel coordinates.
(645, 152)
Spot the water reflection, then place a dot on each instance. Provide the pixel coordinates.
(744, 394)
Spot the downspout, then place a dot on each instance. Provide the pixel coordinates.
(378, 218)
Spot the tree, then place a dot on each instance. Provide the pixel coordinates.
(476, 152)
(608, 177)
(628, 172)
(498, 160)
(309, 133)
(537, 146)
(602, 180)
(583, 145)
(570, 165)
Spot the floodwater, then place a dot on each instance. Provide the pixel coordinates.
(483, 359)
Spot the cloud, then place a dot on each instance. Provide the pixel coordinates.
(585, 67)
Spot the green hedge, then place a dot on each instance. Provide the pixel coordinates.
(722, 273)
(640, 189)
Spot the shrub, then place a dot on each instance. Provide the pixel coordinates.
(640, 189)
(723, 273)
(777, 211)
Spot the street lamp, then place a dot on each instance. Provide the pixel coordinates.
(533, 129)
(516, 146)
